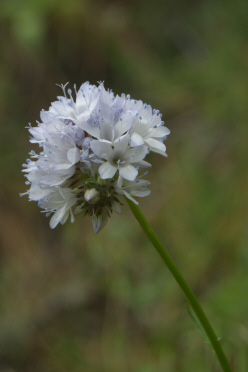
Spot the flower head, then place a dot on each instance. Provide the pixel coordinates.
(93, 151)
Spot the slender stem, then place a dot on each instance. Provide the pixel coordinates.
(183, 284)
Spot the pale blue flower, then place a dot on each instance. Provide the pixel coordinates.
(93, 153)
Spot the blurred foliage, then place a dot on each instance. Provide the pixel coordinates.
(72, 301)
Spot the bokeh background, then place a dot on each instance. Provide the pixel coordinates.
(72, 301)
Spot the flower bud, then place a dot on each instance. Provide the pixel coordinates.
(92, 195)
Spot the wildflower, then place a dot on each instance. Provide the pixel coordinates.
(118, 155)
(93, 151)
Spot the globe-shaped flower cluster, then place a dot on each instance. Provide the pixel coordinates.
(93, 151)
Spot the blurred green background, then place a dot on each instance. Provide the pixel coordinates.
(72, 301)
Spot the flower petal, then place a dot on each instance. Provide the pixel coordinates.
(101, 147)
(106, 131)
(160, 132)
(124, 124)
(58, 216)
(156, 146)
(63, 108)
(128, 172)
(136, 154)
(73, 155)
(93, 130)
(127, 195)
(107, 170)
(121, 144)
(136, 140)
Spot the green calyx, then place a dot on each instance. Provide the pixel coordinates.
(96, 197)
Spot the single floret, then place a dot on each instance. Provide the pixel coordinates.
(119, 156)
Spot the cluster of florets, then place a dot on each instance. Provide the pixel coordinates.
(93, 151)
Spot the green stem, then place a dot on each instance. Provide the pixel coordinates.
(182, 283)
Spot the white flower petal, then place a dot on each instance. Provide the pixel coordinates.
(156, 146)
(129, 197)
(64, 108)
(106, 131)
(124, 124)
(87, 98)
(140, 192)
(65, 217)
(101, 148)
(144, 164)
(121, 144)
(73, 155)
(160, 132)
(106, 114)
(57, 217)
(136, 140)
(136, 154)
(107, 170)
(92, 130)
(128, 172)
(36, 192)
